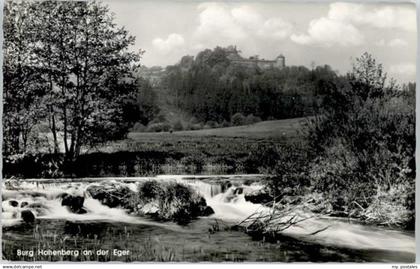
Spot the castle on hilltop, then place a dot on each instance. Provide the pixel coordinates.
(254, 61)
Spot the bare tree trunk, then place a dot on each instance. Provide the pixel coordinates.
(72, 140)
(24, 138)
(15, 134)
(53, 128)
(54, 132)
(77, 148)
(65, 135)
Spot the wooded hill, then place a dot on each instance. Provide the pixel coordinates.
(211, 88)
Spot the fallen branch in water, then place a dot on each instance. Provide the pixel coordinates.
(320, 230)
(275, 220)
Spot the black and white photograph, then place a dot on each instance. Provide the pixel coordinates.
(194, 131)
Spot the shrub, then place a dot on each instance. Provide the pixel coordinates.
(171, 200)
(195, 163)
(176, 191)
(238, 119)
(225, 123)
(261, 157)
(158, 119)
(194, 120)
(365, 144)
(288, 166)
(159, 127)
(197, 126)
(393, 207)
(113, 195)
(211, 124)
(150, 190)
(178, 126)
(138, 127)
(161, 117)
(251, 119)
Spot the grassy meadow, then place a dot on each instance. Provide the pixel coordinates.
(216, 141)
(274, 129)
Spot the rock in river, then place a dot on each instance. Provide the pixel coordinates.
(28, 216)
(208, 211)
(73, 203)
(13, 203)
(259, 197)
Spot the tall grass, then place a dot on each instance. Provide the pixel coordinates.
(42, 239)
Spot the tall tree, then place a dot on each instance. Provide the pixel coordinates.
(100, 80)
(84, 66)
(23, 83)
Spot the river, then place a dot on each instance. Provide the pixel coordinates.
(204, 239)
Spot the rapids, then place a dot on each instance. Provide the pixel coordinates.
(227, 201)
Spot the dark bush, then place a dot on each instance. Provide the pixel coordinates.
(174, 201)
(197, 126)
(194, 120)
(238, 119)
(365, 144)
(112, 195)
(159, 127)
(161, 117)
(150, 190)
(225, 124)
(211, 124)
(138, 127)
(194, 163)
(290, 173)
(261, 157)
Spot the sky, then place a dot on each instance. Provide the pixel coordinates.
(306, 34)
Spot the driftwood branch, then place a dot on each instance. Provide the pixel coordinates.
(277, 220)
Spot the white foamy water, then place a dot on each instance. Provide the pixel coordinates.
(228, 203)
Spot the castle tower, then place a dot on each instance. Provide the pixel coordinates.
(280, 61)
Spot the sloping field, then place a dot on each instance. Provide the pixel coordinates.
(283, 129)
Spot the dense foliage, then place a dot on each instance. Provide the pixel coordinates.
(361, 149)
(67, 66)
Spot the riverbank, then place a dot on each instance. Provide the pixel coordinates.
(385, 212)
(216, 156)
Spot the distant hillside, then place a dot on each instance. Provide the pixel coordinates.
(210, 88)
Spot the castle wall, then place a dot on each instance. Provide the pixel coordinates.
(255, 63)
(265, 64)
